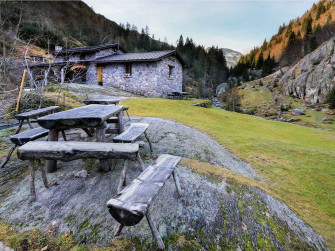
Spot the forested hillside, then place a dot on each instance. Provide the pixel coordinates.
(74, 23)
(292, 42)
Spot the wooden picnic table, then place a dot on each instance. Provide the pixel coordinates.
(27, 115)
(102, 101)
(90, 116)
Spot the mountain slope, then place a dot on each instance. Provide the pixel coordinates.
(300, 37)
(312, 77)
(232, 56)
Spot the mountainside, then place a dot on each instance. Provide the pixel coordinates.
(293, 41)
(232, 56)
(312, 77)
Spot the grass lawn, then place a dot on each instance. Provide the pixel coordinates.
(296, 163)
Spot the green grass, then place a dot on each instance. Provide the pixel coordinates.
(297, 163)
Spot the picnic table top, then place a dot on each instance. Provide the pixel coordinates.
(102, 101)
(26, 115)
(81, 117)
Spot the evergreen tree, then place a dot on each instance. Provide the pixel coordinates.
(260, 61)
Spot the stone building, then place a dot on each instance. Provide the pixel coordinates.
(153, 74)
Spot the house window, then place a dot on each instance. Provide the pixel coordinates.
(171, 71)
(128, 70)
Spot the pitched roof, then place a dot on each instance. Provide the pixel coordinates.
(88, 49)
(138, 57)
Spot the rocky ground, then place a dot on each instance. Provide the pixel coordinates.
(214, 213)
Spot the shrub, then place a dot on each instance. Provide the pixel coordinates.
(283, 108)
(331, 98)
(261, 83)
(234, 101)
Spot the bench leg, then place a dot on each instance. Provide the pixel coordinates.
(154, 230)
(128, 115)
(32, 180)
(43, 174)
(123, 177)
(146, 136)
(118, 230)
(6, 159)
(177, 182)
(19, 127)
(29, 124)
(64, 135)
(141, 162)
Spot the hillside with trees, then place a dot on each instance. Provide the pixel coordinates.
(74, 23)
(292, 42)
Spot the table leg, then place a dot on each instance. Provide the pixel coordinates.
(120, 124)
(52, 164)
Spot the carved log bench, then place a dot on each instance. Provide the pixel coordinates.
(68, 151)
(133, 202)
(134, 131)
(22, 138)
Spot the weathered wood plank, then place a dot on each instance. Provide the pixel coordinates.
(37, 112)
(113, 120)
(132, 203)
(29, 135)
(134, 131)
(101, 101)
(86, 116)
(71, 150)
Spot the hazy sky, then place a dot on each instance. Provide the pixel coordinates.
(234, 24)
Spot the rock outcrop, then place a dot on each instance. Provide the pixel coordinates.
(214, 213)
(313, 76)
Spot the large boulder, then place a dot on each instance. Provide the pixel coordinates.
(313, 76)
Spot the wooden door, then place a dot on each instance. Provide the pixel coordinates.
(100, 82)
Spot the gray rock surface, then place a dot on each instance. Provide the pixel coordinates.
(213, 212)
(298, 111)
(313, 76)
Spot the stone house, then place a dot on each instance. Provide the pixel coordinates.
(153, 74)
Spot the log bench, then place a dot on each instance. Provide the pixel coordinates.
(68, 151)
(134, 131)
(133, 202)
(25, 137)
(22, 138)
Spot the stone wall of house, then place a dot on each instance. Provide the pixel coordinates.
(148, 79)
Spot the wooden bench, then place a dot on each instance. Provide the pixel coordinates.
(25, 137)
(68, 151)
(22, 138)
(27, 115)
(133, 202)
(134, 131)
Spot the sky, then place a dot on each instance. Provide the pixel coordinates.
(236, 24)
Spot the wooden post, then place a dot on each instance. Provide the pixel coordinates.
(141, 162)
(52, 164)
(21, 87)
(62, 76)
